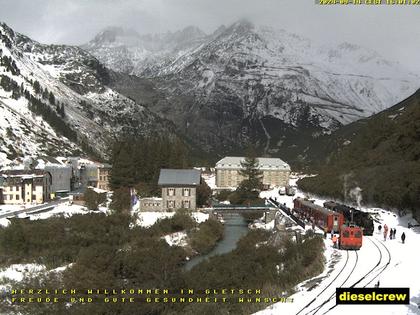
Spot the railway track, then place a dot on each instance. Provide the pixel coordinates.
(332, 296)
(379, 269)
(333, 281)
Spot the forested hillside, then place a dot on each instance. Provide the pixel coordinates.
(380, 155)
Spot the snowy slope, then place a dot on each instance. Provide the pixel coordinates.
(24, 134)
(79, 84)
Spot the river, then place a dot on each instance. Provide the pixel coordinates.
(235, 227)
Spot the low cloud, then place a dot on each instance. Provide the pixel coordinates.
(391, 30)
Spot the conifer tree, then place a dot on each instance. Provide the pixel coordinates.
(252, 183)
(62, 111)
(37, 87)
(51, 98)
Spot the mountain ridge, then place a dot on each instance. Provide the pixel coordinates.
(68, 89)
(244, 75)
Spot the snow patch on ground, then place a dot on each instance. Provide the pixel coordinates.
(200, 217)
(210, 180)
(262, 225)
(177, 239)
(66, 211)
(147, 219)
(17, 272)
(4, 222)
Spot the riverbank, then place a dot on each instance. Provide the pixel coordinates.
(234, 229)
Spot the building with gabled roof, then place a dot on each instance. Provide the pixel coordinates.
(276, 172)
(25, 186)
(179, 188)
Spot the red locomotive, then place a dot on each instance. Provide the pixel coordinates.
(350, 235)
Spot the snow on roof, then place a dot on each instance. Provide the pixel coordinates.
(179, 177)
(234, 162)
(25, 174)
(98, 190)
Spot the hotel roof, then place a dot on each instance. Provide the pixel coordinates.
(234, 162)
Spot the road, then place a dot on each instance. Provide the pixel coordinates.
(35, 209)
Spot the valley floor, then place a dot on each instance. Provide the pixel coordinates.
(390, 262)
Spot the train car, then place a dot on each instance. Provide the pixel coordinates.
(351, 237)
(321, 216)
(360, 218)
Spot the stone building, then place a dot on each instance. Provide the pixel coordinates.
(104, 173)
(25, 186)
(275, 172)
(179, 188)
(95, 175)
(151, 204)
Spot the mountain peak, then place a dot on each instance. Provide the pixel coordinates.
(6, 33)
(187, 34)
(110, 34)
(192, 31)
(243, 25)
(348, 46)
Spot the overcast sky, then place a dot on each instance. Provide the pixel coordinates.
(394, 31)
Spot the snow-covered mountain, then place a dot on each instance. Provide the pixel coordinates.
(128, 51)
(248, 82)
(56, 98)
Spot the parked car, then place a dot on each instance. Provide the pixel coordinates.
(282, 191)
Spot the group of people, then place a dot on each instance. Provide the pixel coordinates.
(392, 233)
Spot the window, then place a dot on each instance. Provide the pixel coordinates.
(186, 204)
(186, 192)
(171, 204)
(17, 197)
(171, 191)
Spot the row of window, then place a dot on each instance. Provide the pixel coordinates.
(186, 204)
(186, 192)
(14, 188)
(152, 204)
(17, 197)
(17, 188)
